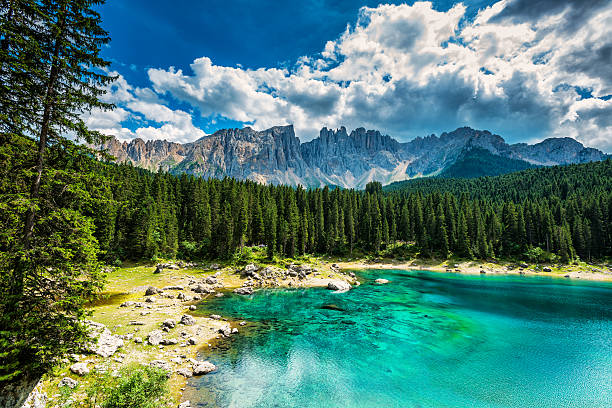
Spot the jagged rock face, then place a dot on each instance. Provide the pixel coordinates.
(336, 157)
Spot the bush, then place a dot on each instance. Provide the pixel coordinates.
(135, 387)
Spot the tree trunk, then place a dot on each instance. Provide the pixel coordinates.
(20, 268)
(44, 132)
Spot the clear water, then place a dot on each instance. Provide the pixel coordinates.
(424, 340)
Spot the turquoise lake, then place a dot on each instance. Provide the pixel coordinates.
(424, 340)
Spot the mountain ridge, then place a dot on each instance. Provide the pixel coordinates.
(337, 157)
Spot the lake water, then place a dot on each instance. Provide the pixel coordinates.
(424, 340)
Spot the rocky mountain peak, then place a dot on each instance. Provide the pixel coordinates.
(277, 156)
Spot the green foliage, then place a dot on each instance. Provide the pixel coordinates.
(478, 162)
(135, 387)
(50, 73)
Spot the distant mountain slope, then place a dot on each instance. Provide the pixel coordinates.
(478, 162)
(560, 181)
(352, 160)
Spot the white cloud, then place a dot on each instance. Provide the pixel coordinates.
(409, 71)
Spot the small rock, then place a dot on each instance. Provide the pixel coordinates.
(242, 323)
(79, 369)
(203, 367)
(168, 342)
(250, 269)
(381, 281)
(338, 286)
(244, 291)
(547, 269)
(155, 337)
(187, 320)
(68, 382)
(226, 330)
(152, 290)
(173, 288)
(192, 341)
(185, 372)
(185, 404)
(164, 365)
(193, 307)
(203, 289)
(137, 340)
(215, 317)
(169, 323)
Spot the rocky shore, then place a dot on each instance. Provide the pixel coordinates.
(149, 315)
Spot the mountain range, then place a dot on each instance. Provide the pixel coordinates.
(337, 158)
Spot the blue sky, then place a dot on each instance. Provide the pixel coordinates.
(523, 69)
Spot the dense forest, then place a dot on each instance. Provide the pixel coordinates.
(562, 210)
(138, 214)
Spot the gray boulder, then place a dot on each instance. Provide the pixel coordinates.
(164, 365)
(244, 291)
(79, 369)
(152, 290)
(203, 289)
(187, 320)
(155, 337)
(250, 269)
(338, 286)
(226, 330)
(68, 382)
(186, 372)
(203, 367)
(103, 342)
(169, 323)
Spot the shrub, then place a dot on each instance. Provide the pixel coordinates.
(135, 387)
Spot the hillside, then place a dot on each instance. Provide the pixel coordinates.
(560, 181)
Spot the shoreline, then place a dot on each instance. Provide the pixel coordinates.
(129, 317)
(599, 274)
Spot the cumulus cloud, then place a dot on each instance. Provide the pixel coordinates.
(143, 108)
(523, 69)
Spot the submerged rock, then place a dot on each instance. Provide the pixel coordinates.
(333, 307)
(381, 281)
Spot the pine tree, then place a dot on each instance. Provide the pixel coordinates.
(50, 74)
